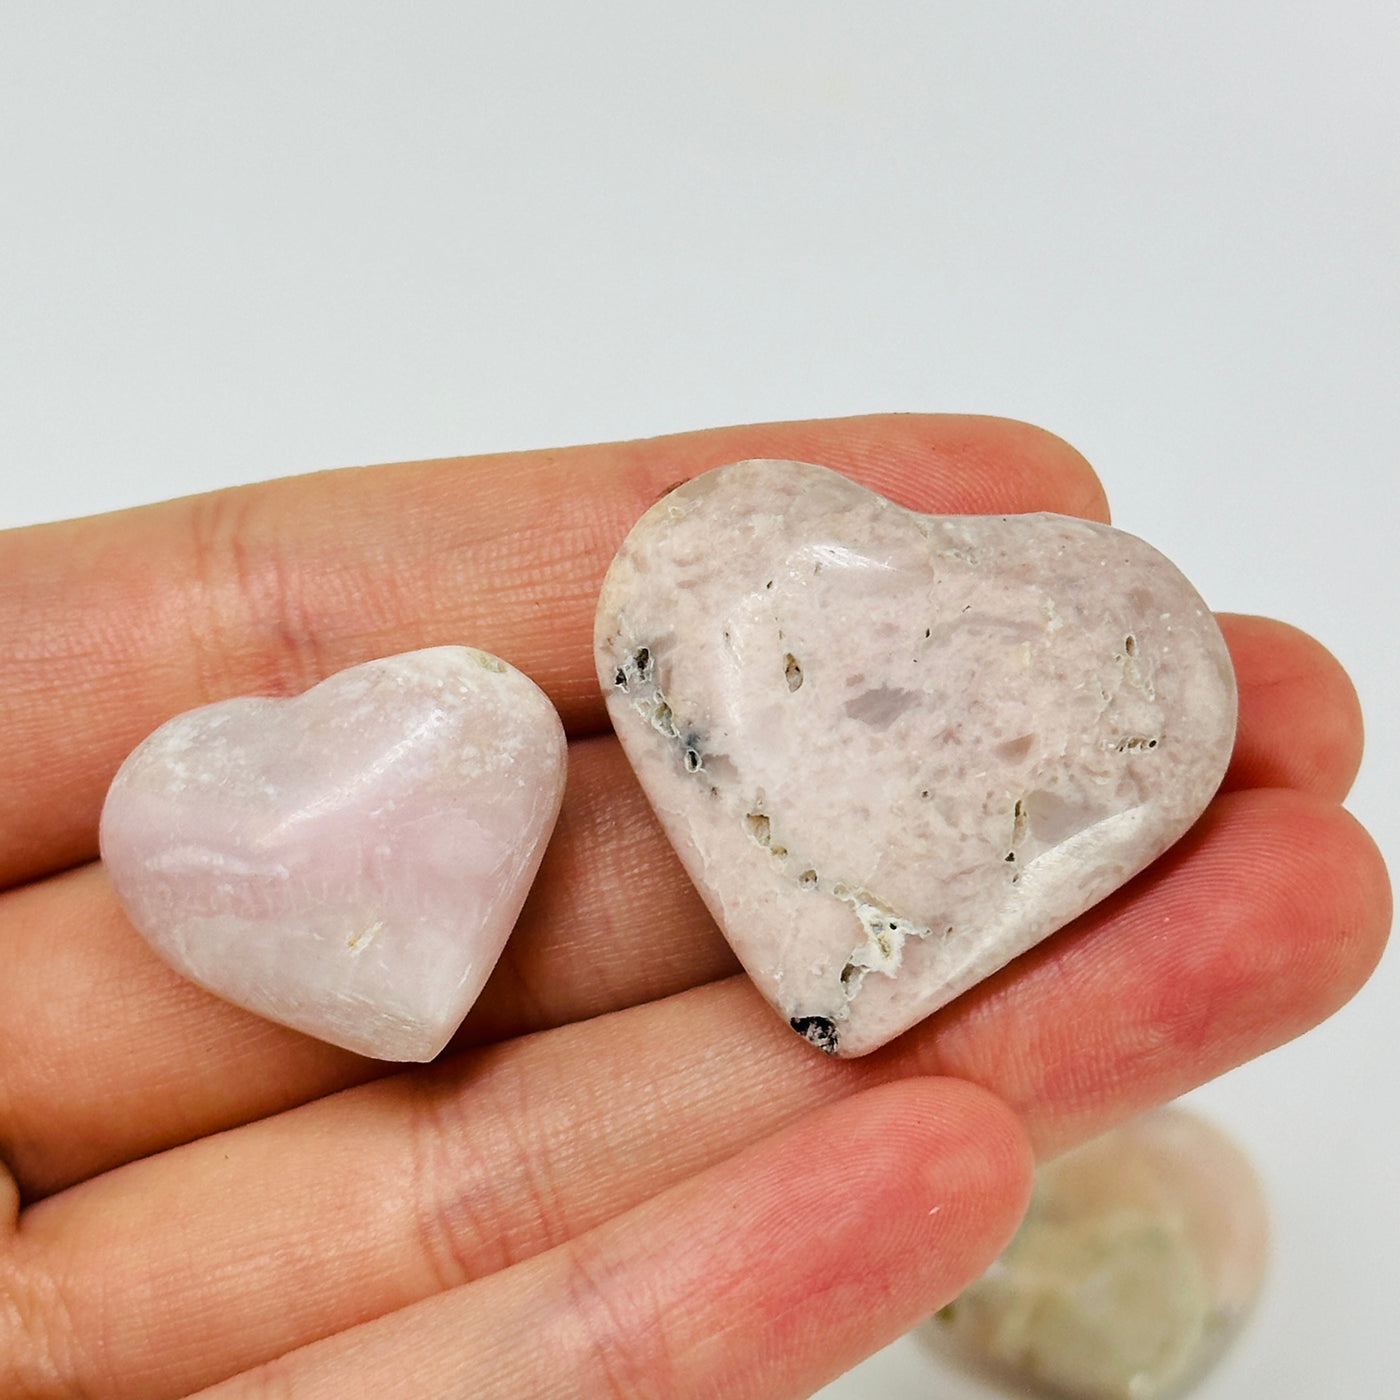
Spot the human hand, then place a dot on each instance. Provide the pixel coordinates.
(628, 1177)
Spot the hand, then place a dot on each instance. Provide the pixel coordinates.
(628, 1178)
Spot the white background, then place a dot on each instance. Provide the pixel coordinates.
(242, 241)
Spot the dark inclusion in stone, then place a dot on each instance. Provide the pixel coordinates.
(637, 667)
(818, 1029)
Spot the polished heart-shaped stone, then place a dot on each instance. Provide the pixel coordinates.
(895, 750)
(349, 861)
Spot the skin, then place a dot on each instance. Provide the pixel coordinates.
(627, 1178)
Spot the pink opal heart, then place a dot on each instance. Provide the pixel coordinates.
(895, 750)
(350, 861)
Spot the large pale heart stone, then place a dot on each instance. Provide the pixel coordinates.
(350, 861)
(894, 750)
(1137, 1264)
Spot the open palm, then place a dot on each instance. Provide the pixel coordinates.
(627, 1177)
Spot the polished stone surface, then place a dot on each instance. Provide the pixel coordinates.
(893, 750)
(1138, 1262)
(349, 861)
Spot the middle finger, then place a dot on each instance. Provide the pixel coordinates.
(106, 1055)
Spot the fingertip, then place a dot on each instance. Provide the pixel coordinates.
(984, 1158)
(954, 1142)
(946, 1168)
(972, 464)
(919, 1185)
(971, 1126)
(1263, 920)
(943, 463)
(1300, 717)
(1267, 918)
(1014, 461)
(1291, 901)
(1366, 902)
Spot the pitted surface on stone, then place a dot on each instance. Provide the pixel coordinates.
(892, 750)
(350, 861)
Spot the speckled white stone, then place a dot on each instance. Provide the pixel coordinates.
(1138, 1263)
(349, 861)
(894, 750)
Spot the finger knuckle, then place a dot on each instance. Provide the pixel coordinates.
(38, 1351)
(620, 1340)
(248, 613)
(486, 1167)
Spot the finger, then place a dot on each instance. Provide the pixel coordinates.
(764, 1276)
(106, 1056)
(1261, 922)
(110, 625)
(1226, 949)
(1300, 719)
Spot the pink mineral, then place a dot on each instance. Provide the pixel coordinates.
(895, 750)
(349, 861)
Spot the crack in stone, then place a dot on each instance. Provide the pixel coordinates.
(638, 669)
(1136, 672)
(883, 949)
(885, 931)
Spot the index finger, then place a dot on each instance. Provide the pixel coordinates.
(110, 625)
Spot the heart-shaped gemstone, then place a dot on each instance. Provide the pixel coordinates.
(349, 861)
(896, 750)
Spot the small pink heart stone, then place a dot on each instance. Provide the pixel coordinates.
(350, 861)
